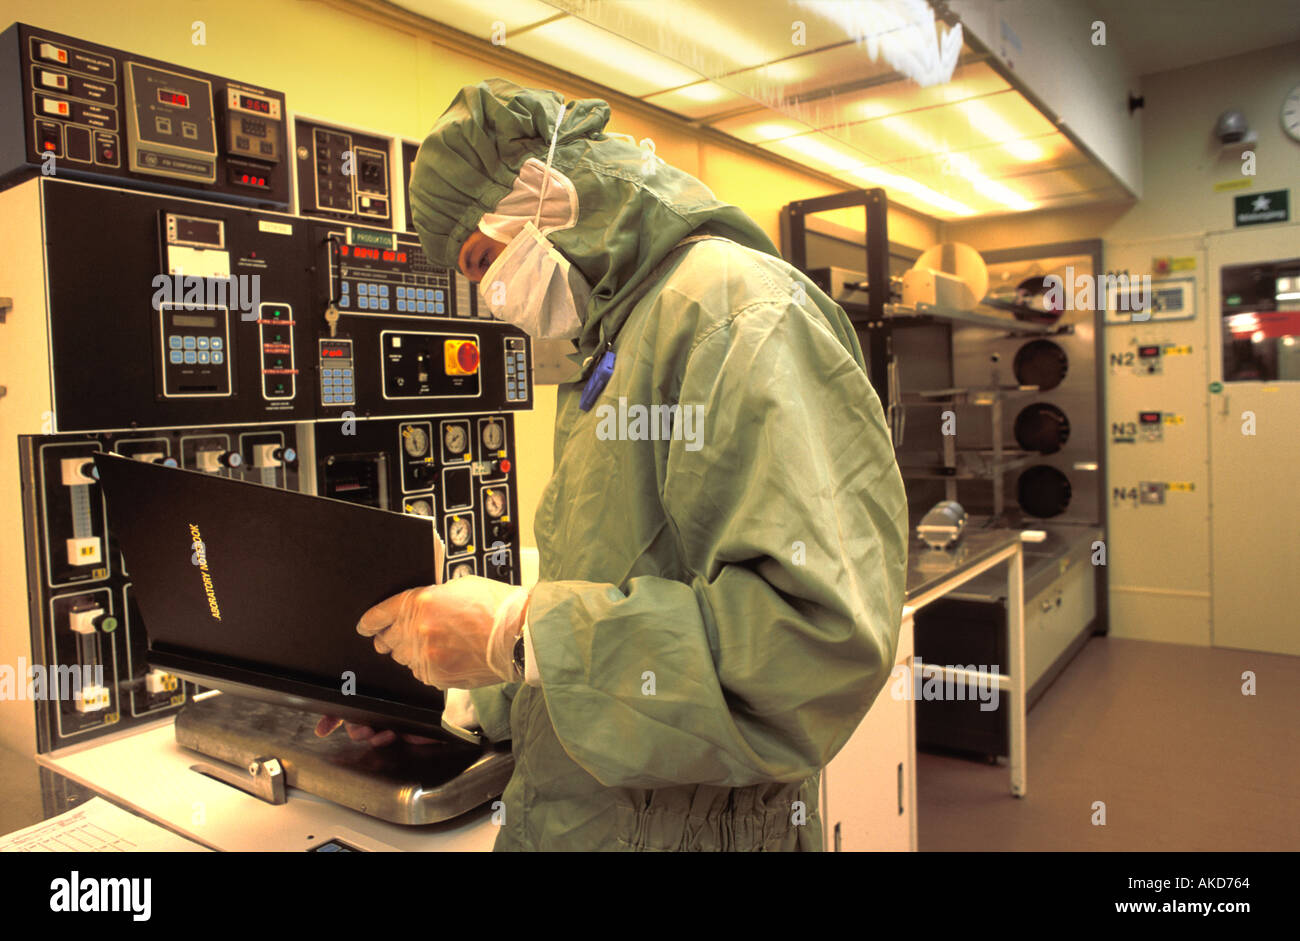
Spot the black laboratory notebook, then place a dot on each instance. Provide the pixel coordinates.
(268, 605)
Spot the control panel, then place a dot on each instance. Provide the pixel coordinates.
(90, 671)
(400, 336)
(343, 174)
(79, 109)
(173, 312)
(457, 469)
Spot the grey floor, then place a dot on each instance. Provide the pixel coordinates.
(1160, 733)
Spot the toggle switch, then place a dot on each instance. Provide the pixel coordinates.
(84, 550)
(93, 699)
(90, 620)
(78, 471)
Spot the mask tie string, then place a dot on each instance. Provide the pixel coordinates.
(550, 155)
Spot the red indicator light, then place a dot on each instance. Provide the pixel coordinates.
(244, 178)
(467, 357)
(505, 467)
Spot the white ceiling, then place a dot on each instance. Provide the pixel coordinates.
(1159, 35)
(968, 147)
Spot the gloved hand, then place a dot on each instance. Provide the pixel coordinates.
(364, 733)
(461, 633)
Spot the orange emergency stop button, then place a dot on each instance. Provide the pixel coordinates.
(461, 357)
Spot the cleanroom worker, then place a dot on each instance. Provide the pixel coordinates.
(717, 606)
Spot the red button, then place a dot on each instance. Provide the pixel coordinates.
(505, 467)
(467, 357)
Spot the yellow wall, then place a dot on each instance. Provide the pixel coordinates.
(355, 69)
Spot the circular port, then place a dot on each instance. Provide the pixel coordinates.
(1042, 427)
(1043, 491)
(1041, 363)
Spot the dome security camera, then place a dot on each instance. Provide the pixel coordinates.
(1231, 128)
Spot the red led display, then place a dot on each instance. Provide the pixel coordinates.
(254, 104)
(179, 99)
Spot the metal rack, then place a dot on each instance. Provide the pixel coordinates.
(970, 463)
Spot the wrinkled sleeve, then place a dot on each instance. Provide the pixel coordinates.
(791, 518)
(492, 704)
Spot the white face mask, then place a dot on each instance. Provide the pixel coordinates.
(533, 286)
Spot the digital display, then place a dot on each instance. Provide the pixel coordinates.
(330, 352)
(254, 104)
(175, 98)
(1149, 418)
(1148, 351)
(194, 320)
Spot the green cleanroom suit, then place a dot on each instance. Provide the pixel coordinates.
(723, 541)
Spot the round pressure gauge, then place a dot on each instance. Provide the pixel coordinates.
(419, 508)
(458, 532)
(454, 439)
(416, 440)
(494, 502)
(461, 570)
(493, 437)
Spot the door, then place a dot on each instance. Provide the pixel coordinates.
(1254, 445)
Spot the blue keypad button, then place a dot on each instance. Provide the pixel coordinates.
(329, 399)
(176, 356)
(437, 295)
(372, 289)
(383, 289)
(419, 294)
(217, 343)
(344, 287)
(365, 303)
(401, 305)
(204, 356)
(437, 308)
(327, 372)
(203, 343)
(347, 373)
(191, 356)
(174, 342)
(189, 343)
(383, 303)
(218, 357)
(345, 301)
(420, 307)
(401, 290)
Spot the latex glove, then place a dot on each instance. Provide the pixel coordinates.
(364, 733)
(461, 633)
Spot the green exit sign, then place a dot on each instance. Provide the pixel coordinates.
(1258, 208)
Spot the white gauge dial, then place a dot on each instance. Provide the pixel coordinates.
(419, 508)
(492, 436)
(415, 439)
(455, 439)
(458, 532)
(461, 570)
(494, 502)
